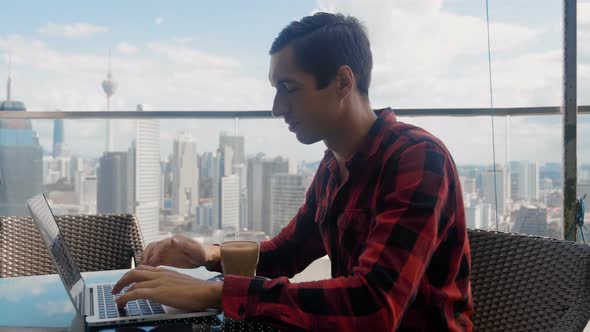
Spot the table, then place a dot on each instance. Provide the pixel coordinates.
(41, 303)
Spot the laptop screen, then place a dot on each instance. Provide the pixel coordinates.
(58, 250)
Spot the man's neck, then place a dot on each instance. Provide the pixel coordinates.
(351, 132)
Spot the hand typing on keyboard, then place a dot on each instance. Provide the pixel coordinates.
(169, 288)
(107, 307)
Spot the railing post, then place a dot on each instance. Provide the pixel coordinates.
(569, 110)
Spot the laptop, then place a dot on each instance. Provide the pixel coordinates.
(94, 303)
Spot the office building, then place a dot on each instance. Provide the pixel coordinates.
(21, 160)
(287, 194)
(237, 145)
(185, 176)
(498, 192)
(525, 181)
(260, 171)
(147, 177)
(115, 183)
(230, 203)
(531, 220)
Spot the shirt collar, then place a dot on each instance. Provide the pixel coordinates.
(371, 143)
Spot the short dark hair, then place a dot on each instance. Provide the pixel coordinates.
(323, 42)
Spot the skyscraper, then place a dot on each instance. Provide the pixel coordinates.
(115, 183)
(109, 86)
(525, 181)
(147, 177)
(489, 191)
(260, 171)
(237, 145)
(87, 193)
(230, 203)
(287, 194)
(185, 176)
(21, 160)
(238, 164)
(58, 137)
(223, 169)
(531, 220)
(206, 165)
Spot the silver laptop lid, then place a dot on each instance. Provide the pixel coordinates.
(58, 250)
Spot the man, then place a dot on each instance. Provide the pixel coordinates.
(385, 206)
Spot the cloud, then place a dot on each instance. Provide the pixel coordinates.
(425, 56)
(187, 56)
(51, 308)
(73, 30)
(17, 289)
(127, 48)
(159, 20)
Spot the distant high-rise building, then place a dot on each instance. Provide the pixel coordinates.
(489, 191)
(260, 171)
(185, 176)
(109, 86)
(467, 184)
(238, 166)
(223, 168)
(204, 214)
(473, 216)
(487, 217)
(554, 172)
(21, 160)
(115, 183)
(206, 165)
(287, 194)
(58, 138)
(226, 157)
(147, 177)
(230, 203)
(554, 199)
(525, 181)
(531, 220)
(167, 183)
(87, 193)
(237, 145)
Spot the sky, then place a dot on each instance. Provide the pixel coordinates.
(197, 55)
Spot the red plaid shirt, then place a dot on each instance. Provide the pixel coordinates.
(395, 234)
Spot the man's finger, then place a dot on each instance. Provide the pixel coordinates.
(144, 284)
(142, 293)
(148, 268)
(147, 253)
(133, 276)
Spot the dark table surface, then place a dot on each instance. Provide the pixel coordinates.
(40, 303)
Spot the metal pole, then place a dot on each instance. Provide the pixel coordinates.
(569, 119)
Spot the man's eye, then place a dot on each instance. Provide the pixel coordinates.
(286, 88)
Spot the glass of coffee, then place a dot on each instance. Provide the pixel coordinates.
(239, 257)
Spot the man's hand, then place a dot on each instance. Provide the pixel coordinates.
(179, 251)
(170, 288)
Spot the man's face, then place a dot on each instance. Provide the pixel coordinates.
(309, 112)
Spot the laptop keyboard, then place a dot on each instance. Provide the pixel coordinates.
(107, 308)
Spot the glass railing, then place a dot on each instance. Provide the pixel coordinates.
(243, 175)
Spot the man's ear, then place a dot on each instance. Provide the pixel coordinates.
(344, 80)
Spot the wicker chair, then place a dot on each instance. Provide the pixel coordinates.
(528, 283)
(97, 242)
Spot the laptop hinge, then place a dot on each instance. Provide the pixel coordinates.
(89, 301)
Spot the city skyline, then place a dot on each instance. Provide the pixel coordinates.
(168, 61)
(147, 168)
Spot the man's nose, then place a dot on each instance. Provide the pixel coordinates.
(279, 108)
